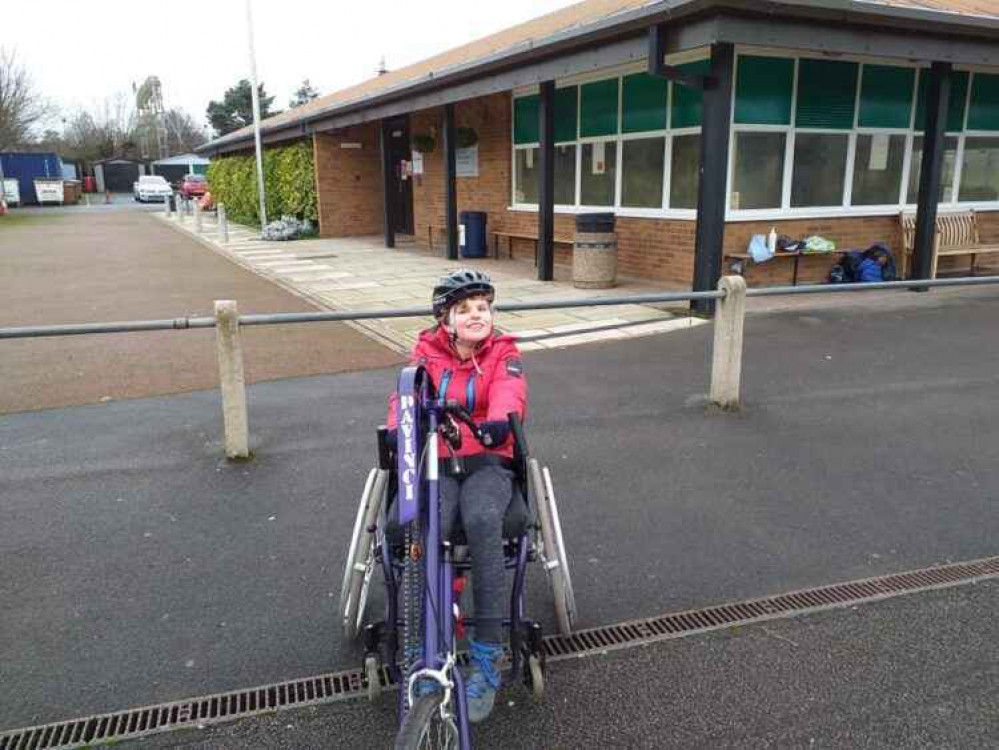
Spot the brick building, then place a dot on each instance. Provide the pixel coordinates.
(807, 117)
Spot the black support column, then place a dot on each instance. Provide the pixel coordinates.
(450, 185)
(711, 187)
(388, 182)
(546, 187)
(931, 170)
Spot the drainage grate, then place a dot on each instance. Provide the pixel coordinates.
(338, 686)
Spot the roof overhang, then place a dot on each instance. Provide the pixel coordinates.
(831, 27)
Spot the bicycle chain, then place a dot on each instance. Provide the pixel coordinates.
(412, 603)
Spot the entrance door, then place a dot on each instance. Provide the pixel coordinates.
(402, 190)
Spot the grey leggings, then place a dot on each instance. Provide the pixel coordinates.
(479, 502)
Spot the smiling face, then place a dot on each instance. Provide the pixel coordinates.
(472, 319)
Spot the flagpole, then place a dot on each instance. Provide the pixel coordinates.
(256, 118)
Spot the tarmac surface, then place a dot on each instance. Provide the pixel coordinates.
(79, 267)
(140, 567)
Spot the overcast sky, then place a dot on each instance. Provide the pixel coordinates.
(79, 53)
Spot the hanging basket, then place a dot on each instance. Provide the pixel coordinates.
(465, 137)
(424, 143)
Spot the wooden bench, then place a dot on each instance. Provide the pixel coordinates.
(746, 259)
(531, 236)
(956, 234)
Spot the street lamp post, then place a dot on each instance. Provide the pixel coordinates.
(256, 118)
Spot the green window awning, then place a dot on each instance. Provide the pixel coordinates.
(827, 94)
(643, 103)
(763, 90)
(598, 108)
(886, 97)
(525, 119)
(955, 108)
(688, 103)
(984, 112)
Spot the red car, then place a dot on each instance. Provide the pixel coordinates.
(192, 185)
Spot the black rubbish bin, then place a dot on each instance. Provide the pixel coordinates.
(472, 234)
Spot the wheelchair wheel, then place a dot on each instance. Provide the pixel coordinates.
(553, 555)
(360, 564)
(424, 727)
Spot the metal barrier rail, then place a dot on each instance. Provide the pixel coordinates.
(420, 312)
(726, 366)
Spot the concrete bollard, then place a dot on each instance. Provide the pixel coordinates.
(166, 207)
(196, 207)
(180, 208)
(726, 363)
(223, 224)
(231, 379)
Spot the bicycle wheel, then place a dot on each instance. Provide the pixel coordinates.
(553, 551)
(425, 729)
(361, 556)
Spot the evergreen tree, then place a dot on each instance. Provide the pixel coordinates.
(303, 95)
(235, 111)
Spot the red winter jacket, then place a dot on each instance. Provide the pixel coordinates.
(490, 386)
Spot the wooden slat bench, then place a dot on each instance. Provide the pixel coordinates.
(530, 236)
(956, 234)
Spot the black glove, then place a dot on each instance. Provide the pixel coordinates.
(494, 434)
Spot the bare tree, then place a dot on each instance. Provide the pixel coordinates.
(21, 106)
(104, 132)
(183, 133)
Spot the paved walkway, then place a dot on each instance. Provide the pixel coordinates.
(359, 273)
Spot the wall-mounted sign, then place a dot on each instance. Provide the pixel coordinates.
(466, 161)
(417, 163)
(599, 158)
(49, 191)
(351, 144)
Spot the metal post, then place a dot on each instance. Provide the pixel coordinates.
(388, 182)
(546, 188)
(726, 361)
(450, 185)
(196, 208)
(223, 224)
(256, 118)
(931, 170)
(231, 379)
(711, 198)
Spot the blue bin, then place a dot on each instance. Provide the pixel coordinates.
(473, 238)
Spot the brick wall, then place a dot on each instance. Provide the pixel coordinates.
(349, 182)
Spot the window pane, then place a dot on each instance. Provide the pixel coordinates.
(598, 108)
(565, 175)
(565, 114)
(643, 103)
(598, 174)
(819, 169)
(525, 119)
(758, 171)
(827, 94)
(684, 171)
(763, 90)
(980, 173)
(955, 105)
(946, 179)
(688, 103)
(526, 186)
(886, 97)
(642, 179)
(984, 114)
(877, 169)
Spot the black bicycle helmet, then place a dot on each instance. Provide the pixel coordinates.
(459, 285)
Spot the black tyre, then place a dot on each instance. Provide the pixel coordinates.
(424, 729)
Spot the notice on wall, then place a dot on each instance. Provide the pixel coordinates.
(599, 158)
(879, 152)
(417, 163)
(466, 161)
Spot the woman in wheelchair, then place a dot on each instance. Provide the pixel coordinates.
(469, 362)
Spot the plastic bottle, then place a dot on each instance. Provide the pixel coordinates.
(772, 241)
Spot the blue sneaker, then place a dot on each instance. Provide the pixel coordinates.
(483, 678)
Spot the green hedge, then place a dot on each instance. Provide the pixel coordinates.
(289, 176)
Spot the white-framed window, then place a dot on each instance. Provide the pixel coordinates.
(628, 142)
(816, 136)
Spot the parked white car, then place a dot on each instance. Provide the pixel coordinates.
(151, 187)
